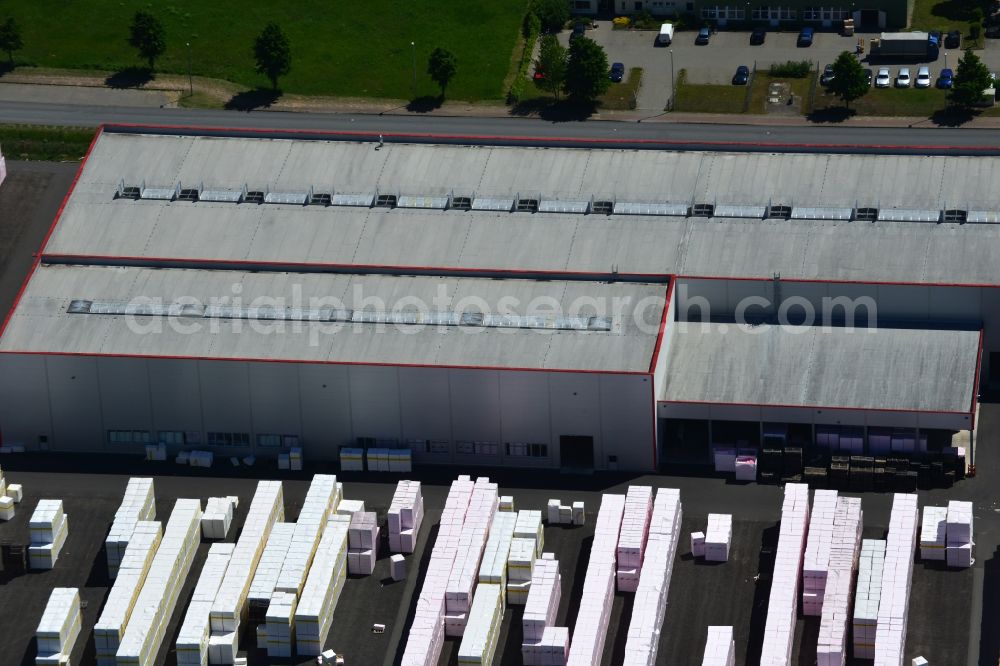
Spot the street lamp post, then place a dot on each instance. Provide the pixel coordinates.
(190, 80)
(413, 50)
(673, 81)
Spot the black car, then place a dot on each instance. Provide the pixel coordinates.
(617, 72)
(827, 75)
(869, 75)
(703, 36)
(742, 76)
(579, 30)
(758, 36)
(953, 40)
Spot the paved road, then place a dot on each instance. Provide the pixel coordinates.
(824, 138)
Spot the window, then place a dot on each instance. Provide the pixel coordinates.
(723, 13)
(128, 437)
(268, 440)
(527, 450)
(437, 446)
(487, 449)
(228, 439)
(465, 448)
(773, 14)
(580, 4)
(824, 14)
(175, 437)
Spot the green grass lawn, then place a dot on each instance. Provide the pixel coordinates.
(346, 48)
(944, 15)
(912, 102)
(707, 98)
(622, 96)
(761, 82)
(44, 142)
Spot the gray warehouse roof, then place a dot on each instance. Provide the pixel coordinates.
(94, 223)
(42, 321)
(891, 369)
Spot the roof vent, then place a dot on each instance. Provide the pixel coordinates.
(253, 197)
(319, 199)
(460, 203)
(703, 210)
(526, 206)
(602, 207)
(385, 201)
(779, 212)
(955, 216)
(866, 214)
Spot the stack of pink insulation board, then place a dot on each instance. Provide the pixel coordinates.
(720, 648)
(406, 513)
(818, 546)
(783, 604)
(832, 647)
(541, 608)
(591, 627)
(632, 538)
(423, 646)
(650, 604)
(718, 537)
(469, 555)
(894, 605)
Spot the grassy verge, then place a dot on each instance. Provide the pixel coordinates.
(761, 82)
(905, 102)
(706, 98)
(622, 96)
(339, 49)
(44, 142)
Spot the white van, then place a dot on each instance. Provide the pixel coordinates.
(666, 34)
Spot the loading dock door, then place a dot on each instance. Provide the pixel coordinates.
(576, 452)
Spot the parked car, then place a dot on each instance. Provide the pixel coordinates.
(869, 75)
(903, 78)
(923, 78)
(758, 36)
(666, 36)
(703, 36)
(579, 30)
(539, 73)
(992, 31)
(617, 72)
(806, 37)
(882, 79)
(946, 79)
(935, 36)
(826, 76)
(742, 76)
(953, 40)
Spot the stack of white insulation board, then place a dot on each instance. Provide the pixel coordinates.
(58, 628)
(868, 596)
(718, 537)
(9, 496)
(894, 606)
(469, 555)
(265, 577)
(598, 587)
(632, 537)
(158, 597)
(650, 606)
(782, 607)
(529, 526)
(520, 565)
(933, 533)
(832, 647)
(959, 550)
(349, 507)
(279, 623)
(49, 527)
(540, 611)
(314, 613)
(352, 460)
(558, 513)
(423, 645)
(552, 649)
(218, 516)
(720, 648)
(193, 640)
(494, 566)
(132, 572)
(138, 504)
(362, 543)
(506, 503)
(482, 630)
(406, 513)
(818, 545)
(266, 508)
(321, 501)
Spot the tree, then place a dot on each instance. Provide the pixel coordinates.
(148, 36)
(586, 70)
(849, 78)
(272, 53)
(10, 38)
(552, 13)
(971, 79)
(551, 64)
(442, 66)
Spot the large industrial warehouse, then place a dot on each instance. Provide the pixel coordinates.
(501, 305)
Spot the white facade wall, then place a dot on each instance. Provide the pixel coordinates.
(74, 400)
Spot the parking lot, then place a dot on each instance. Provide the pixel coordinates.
(716, 62)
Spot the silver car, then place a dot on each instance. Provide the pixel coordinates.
(923, 78)
(882, 79)
(903, 78)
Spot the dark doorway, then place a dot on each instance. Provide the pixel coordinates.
(994, 370)
(576, 452)
(685, 441)
(869, 20)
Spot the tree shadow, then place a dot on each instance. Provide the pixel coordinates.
(953, 116)
(130, 77)
(6, 66)
(425, 103)
(251, 100)
(554, 111)
(957, 10)
(831, 114)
